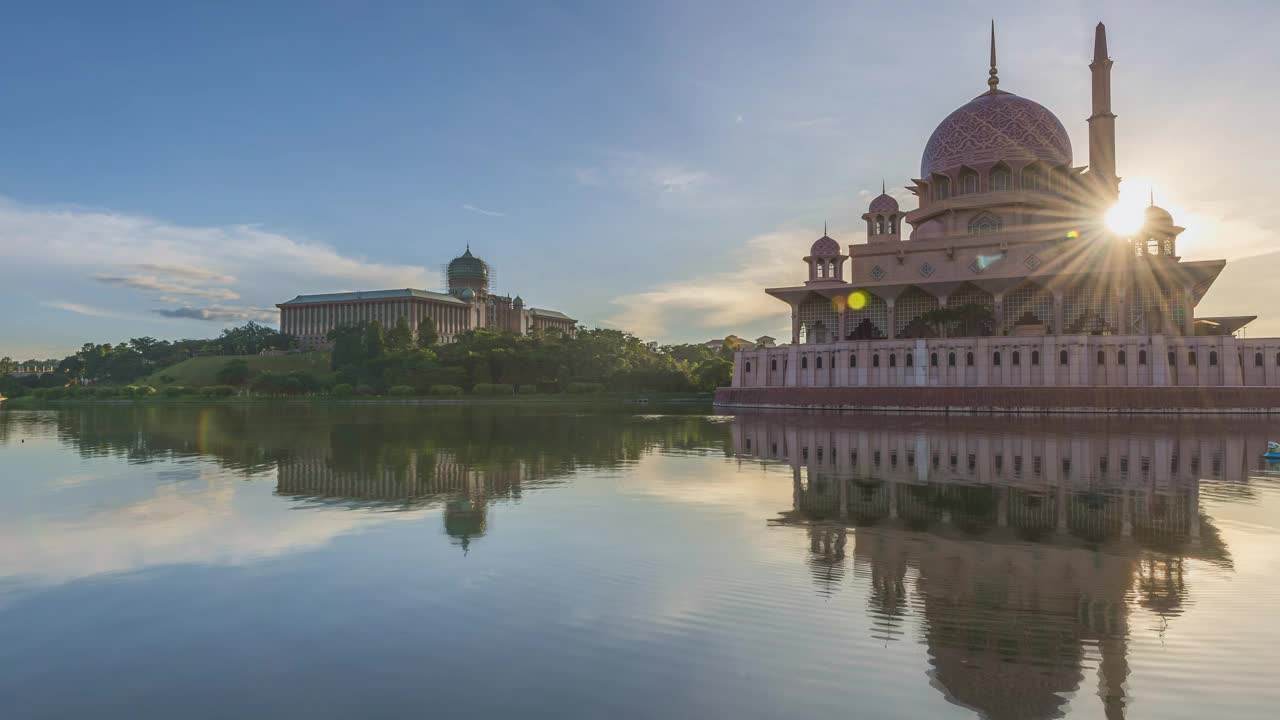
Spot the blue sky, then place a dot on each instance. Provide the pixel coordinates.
(169, 168)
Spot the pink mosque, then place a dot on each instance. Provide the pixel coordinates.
(1005, 276)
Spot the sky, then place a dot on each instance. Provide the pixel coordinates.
(170, 169)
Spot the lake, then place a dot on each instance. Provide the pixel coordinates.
(379, 560)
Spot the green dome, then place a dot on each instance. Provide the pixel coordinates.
(468, 267)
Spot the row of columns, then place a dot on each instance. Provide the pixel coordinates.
(1186, 302)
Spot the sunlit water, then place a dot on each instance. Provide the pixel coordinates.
(401, 561)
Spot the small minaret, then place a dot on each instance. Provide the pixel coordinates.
(884, 219)
(1102, 123)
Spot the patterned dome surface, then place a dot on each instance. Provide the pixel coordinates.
(883, 202)
(991, 127)
(824, 247)
(468, 267)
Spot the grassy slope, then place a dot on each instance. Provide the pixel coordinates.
(200, 371)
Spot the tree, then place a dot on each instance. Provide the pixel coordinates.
(375, 342)
(427, 335)
(234, 372)
(400, 337)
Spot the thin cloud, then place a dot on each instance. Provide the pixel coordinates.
(220, 313)
(155, 284)
(187, 272)
(80, 309)
(482, 211)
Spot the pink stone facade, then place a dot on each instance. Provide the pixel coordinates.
(1005, 275)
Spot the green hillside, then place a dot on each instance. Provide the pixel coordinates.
(200, 371)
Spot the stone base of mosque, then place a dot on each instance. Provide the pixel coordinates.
(1010, 400)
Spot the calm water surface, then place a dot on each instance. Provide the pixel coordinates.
(398, 561)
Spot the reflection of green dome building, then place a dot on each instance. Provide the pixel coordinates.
(465, 519)
(467, 271)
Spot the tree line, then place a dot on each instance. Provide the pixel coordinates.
(368, 358)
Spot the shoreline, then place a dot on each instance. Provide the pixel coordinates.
(31, 403)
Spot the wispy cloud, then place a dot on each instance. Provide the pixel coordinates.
(156, 284)
(482, 211)
(723, 301)
(80, 309)
(644, 172)
(83, 250)
(221, 313)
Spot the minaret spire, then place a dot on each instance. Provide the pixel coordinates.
(994, 80)
(882, 192)
(1102, 123)
(824, 228)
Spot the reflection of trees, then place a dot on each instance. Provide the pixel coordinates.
(367, 438)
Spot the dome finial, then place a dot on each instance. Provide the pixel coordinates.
(994, 80)
(824, 228)
(1152, 198)
(882, 192)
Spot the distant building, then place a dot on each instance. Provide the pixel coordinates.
(764, 341)
(467, 305)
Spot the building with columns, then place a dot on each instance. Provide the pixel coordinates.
(1007, 274)
(467, 305)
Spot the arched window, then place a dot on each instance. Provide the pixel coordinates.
(985, 223)
(893, 359)
(748, 364)
(1062, 357)
(1173, 359)
(951, 359)
(1017, 357)
(1102, 357)
(853, 360)
(968, 359)
(968, 182)
(1277, 359)
(1035, 357)
(804, 362)
(773, 364)
(879, 225)
(1257, 359)
(911, 360)
(995, 358)
(1142, 357)
(822, 269)
(941, 187)
(1033, 177)
(1191, 358)
(875, 360)
(933, 360)
(819, 362)
(1213, 358)
(999, 178)
(892, 225)
(1121, 357)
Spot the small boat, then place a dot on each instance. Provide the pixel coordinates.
(1273, 451)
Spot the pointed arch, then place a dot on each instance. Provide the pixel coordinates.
(985, 223)
(968, 184)
(1033, 177)
(911, 310)
(941, 186)
(1000, 178)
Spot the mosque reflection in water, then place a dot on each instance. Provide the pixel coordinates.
(1021, 545)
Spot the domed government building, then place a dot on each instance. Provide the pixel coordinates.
(1005, 288)
(468, 304)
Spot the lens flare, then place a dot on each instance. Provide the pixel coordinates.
(1073, 234)
(858, 299)
(838, 303)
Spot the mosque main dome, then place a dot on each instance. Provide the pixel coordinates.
(995, 126)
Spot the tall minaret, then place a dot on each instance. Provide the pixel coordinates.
(1102, 123)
